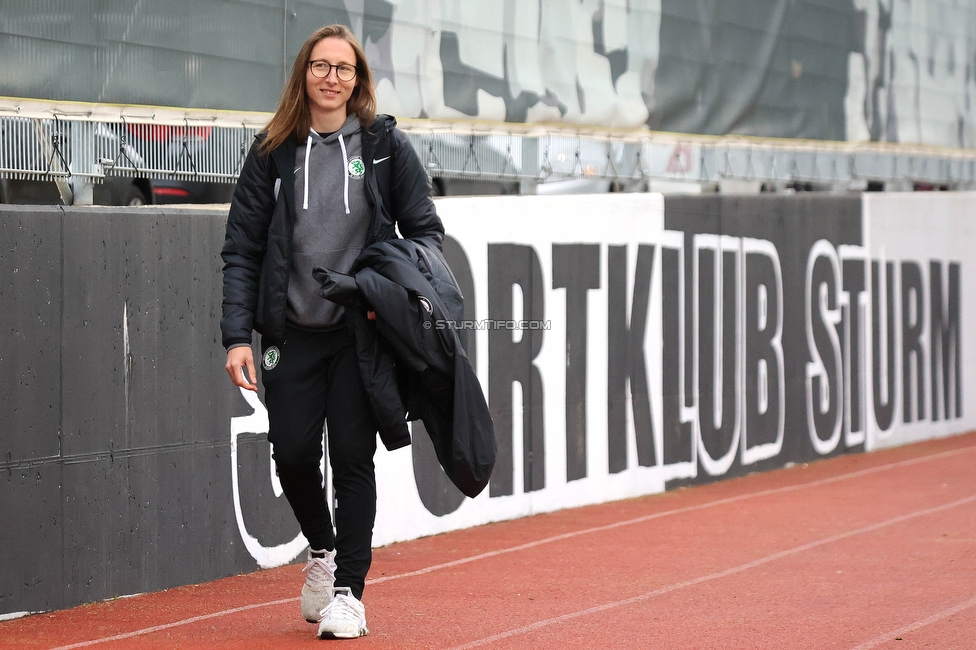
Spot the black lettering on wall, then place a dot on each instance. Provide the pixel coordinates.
(912, 352)
(945, 350)
(510, 361)
(438, 494)
(576, 268)
(717, 348)
(678, 433)
(883, 347)
(625, 357)
(854, 286)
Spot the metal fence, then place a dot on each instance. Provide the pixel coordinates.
(553, 156)
(45, 149)
(85, 149)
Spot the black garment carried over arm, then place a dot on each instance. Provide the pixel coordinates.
(411, 359)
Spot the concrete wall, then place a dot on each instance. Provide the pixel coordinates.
(627, 344)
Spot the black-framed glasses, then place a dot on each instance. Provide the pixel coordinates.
(322, 69)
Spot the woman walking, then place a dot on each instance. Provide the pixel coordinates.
(326, 178)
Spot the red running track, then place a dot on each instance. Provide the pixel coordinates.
(864, 551)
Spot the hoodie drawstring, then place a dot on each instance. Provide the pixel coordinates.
(308, 150)
(345, 170)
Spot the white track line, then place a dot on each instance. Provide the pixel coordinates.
(668, 513)
(713, 576)
(166, 626)
(890, 636)
(549, 540)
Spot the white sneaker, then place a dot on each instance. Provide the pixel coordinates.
(319, 581)
(344, 617)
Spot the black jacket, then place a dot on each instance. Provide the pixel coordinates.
(411, 358)
(257, 248)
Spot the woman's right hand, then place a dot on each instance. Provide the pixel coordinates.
(238, 359)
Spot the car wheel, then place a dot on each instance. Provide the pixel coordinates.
(133, 196)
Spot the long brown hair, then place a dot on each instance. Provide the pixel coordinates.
(292, 117)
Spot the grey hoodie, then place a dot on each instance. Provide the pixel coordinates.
(331, 220)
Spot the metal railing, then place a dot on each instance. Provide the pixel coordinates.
(44, 149)
(84, 148)
(635, 158)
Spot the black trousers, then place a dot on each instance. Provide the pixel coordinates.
(315, 378)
